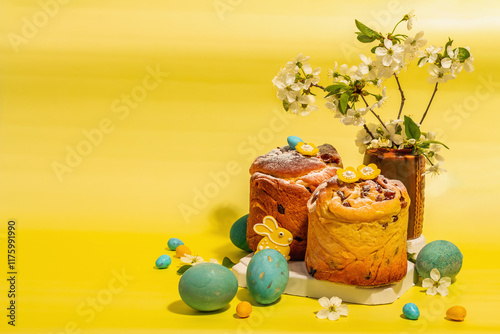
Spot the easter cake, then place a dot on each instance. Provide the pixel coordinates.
(282, 182)
(357, 230)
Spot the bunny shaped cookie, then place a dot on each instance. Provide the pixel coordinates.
(274, 237)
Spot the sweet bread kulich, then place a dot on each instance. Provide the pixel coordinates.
(357, 231)
(280, 186)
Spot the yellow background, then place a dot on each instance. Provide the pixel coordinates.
(66, 70)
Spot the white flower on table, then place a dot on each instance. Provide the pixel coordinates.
(192, 259)
(390, 53)
(439, 74)
(436, 284)
(332, 308)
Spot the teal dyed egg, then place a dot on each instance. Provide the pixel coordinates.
(411, 311)
(293, 141)
(173, 243)
(238, 234)
(267, 275)
(440, 254)
(208, 286)
(163, 262)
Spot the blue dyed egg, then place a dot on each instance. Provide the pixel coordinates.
(208, 286)
(411, 311)
(442, 255)
(163, 262)
(293, 141)
(267, 275)
(173, 243)
(238, 234)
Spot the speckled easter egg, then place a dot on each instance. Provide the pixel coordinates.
(267, 275)
(173, 243)
(163, 261)
(440, 254)
(411, 311)
(293, 141)
(238, 234)
(208, 286)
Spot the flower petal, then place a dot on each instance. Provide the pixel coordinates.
(442, 290)
(335, 301)
(333, 316)
(387, 43)
(445, 281)
(343, 310)
(435, 275)
(432, 291)
(324, 302)
(322, 314)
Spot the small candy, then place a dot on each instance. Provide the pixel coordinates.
(163, 262)
(173, 243)
(456, 313)
(181, 250)
(293, 141)
(411, 311)
(243, 309)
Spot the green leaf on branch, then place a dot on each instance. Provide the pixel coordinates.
(365, 39)
(365, 30)
(335, 88)
(374, 48)
(226, 262)
(437, 142)
(463, 54)
(412, 129)
(183, 269)
(344, 99)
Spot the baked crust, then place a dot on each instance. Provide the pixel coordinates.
(280, 186)
(357, 232)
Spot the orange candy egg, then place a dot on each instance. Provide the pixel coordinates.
(243, 309)
(181, 250)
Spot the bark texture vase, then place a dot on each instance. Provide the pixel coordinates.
(407, 168)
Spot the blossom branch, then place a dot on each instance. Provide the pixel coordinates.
(368, 131)
(428, 106)
(402, 96)
(373, 112)
(320, 87)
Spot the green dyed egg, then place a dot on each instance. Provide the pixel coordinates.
(208, 286)
(440, 254)
(267, 275)
(238, 234)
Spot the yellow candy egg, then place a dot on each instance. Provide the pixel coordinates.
(456, 313)
(244, 309)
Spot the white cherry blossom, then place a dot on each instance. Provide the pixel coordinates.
(332, 308)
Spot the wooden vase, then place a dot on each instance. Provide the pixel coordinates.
(408, 168)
